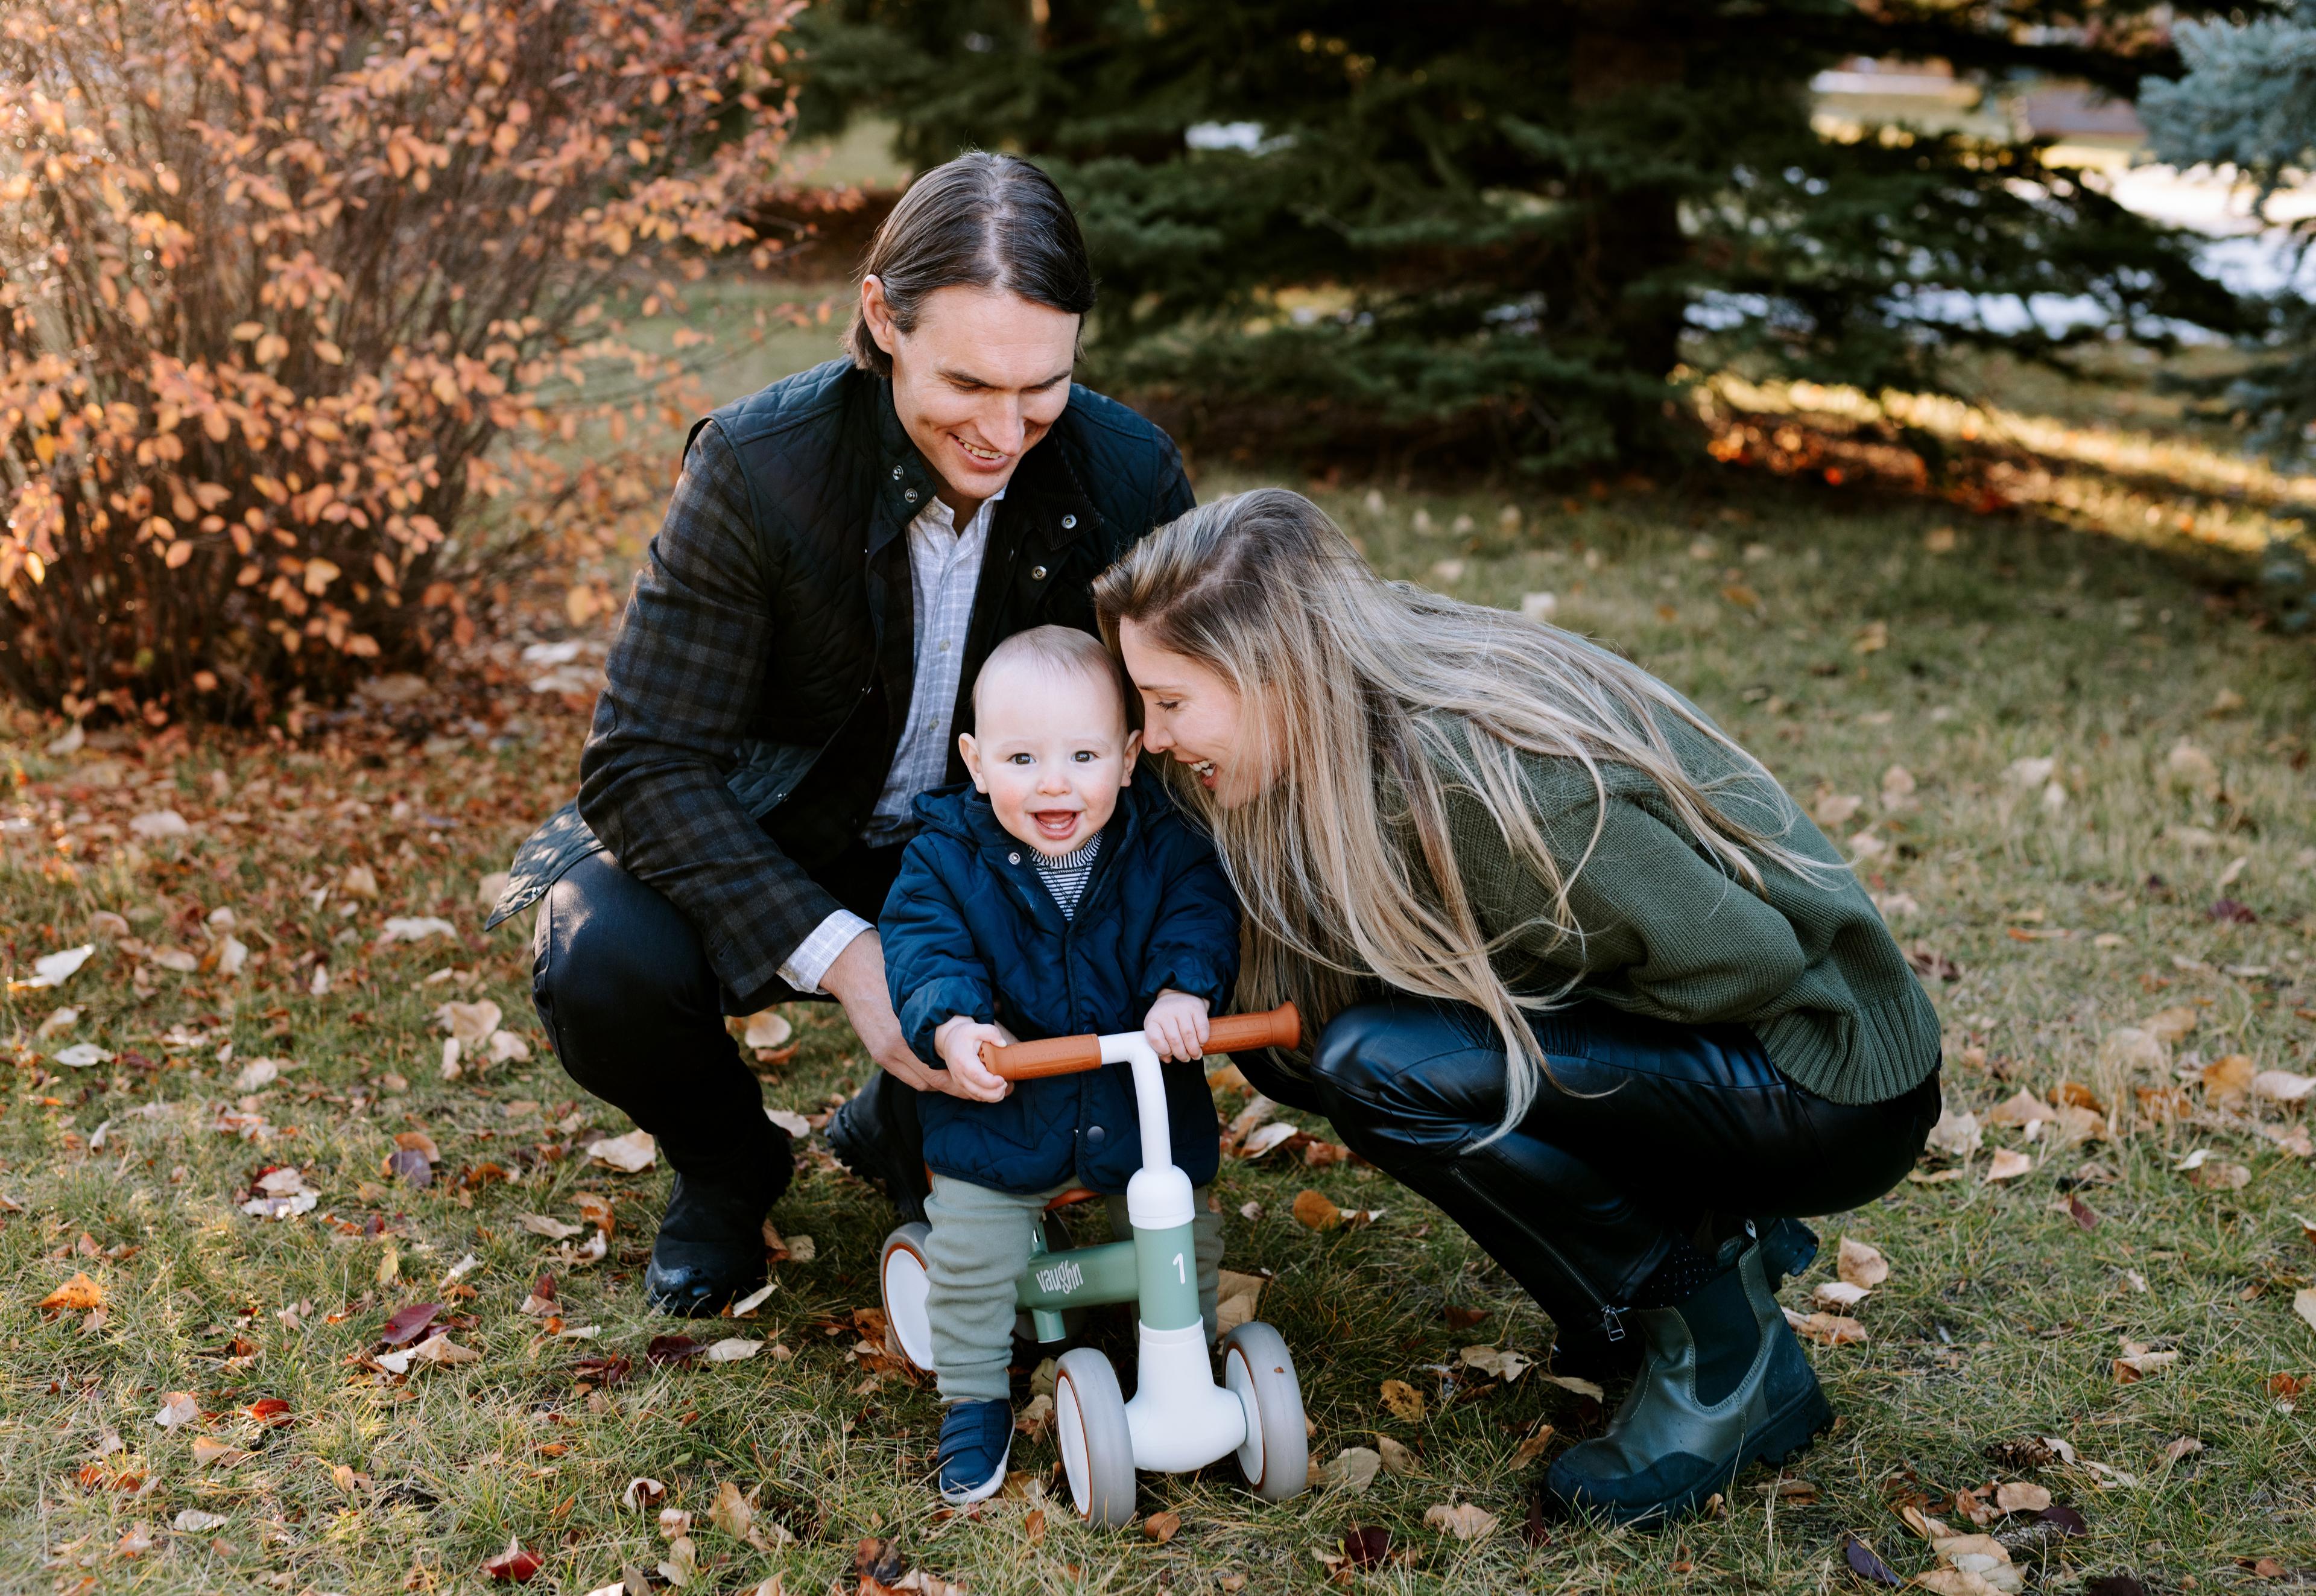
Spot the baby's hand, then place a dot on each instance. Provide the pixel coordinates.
(958, 1041)
(1176, 1025)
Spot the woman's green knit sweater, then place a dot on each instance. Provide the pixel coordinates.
(1667, 931)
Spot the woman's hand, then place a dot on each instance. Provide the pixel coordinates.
(958, 1041)
(1176, 1025)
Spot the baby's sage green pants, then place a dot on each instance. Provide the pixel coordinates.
(978, 1248)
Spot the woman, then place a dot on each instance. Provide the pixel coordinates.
(1589, 979)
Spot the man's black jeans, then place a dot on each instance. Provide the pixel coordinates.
(636, 1014)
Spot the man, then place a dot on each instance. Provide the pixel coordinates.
(842, 552)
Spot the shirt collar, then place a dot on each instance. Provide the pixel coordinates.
(937, 517)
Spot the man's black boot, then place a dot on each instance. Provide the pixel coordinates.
(711, 1243)
(875, 1135)
(1723, 1385)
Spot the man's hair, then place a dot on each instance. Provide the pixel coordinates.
(1063, 648)
(983, 221)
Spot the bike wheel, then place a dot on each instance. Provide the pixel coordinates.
(1257, 1368)
(1096, 1446)
(904, 1283)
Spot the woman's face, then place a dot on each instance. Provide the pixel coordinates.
(983, 377)
(1190, 714)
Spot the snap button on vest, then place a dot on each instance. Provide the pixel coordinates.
(1036, 573)
(1068, 521)
(1013, 858)
(897, 473)
(911, 496)
(1095, 1133)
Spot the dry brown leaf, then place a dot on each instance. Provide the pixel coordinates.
(1836, 1295)
(596, 1210)
(178, 1408)
(1955, 1135)
(1861, 1263)
(1403, 1401)
(2074, 1094)
(2277, 1086)
(2018, 1497)
(2020, 1111)
(2184, 1446)
(731, 1513)
(2227, 1077)
(1161, 1526)
(1396, 1459)
(628, 1154)
(2009, 1164)
(1353, 1469)
(2171, 1026)
(1315, 1212)
(1828, 1330)
(1530, 1450)
(78, 1294)
(2304, 1303)
(209, 1449)
(1464, 1521)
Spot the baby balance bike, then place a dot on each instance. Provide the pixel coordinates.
(1180, 1419)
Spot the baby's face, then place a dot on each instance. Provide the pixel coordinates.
(1052, 752)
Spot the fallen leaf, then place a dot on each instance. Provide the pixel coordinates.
(2304, 1303)
(1956, 1582)
(641, 1495)
(748, 1305)
(2184, 1446)
(1861, 1263)
(1464, 1521)
(1576, 1383)
(405, 1324)
(209, 1449)
(1829, 1330)
(2018, 1497)
(1315, 1212)
(1396, 1459)
(1366, 1546)
(2137, 1361)
(553, 1230)
(2227, 1077)
(2277, 1086)
(1403, 1401)
(79, 1294)
(770, 1029)
(439, 1348)
(2008, 1165)
(730, 1512)
(628, 1154)
(1503, 1363)
(1036, 1417)
(1866, 1563)
(2220, 1175)
(733, 1350)
(1238, 1296)
(177, 1408)
(194, 1521)
(82, 1055)
(797, 1127)
(469, 1024)
(1839, 1293)
(1530, 1450)
(2020, 1112)
(1352, 1469)
(1265, 1138)
(596, 1210)
(673, 1349)
(1956, 1134)
(515, 1565)
(1161, 1526)
(54, 969)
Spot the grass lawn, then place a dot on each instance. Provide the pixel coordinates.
(1844, 637)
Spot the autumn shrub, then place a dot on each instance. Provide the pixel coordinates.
(300, 305)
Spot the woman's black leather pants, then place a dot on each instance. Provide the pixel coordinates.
(1645, 1130)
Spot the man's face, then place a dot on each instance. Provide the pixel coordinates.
(984, 376)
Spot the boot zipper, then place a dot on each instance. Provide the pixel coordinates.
(1612, 1314)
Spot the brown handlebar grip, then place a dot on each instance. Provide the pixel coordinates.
(1056, 1056)
(1282, 1026)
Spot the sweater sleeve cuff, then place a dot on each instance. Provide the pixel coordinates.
(931, 1004)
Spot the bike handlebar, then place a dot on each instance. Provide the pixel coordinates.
(1282, 1026)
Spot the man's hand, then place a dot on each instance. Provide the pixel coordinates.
(1176, 1025)
(855, 978)
(959, 1040)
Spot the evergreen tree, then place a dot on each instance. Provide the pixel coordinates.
(2248, 99)
(1493, 220)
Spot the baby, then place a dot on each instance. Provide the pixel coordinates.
(1051, 898)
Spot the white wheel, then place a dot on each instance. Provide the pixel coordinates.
(901, 1277)
(1257, 1370)
(1096, 1447)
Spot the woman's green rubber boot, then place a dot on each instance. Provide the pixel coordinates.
(1722, 1384)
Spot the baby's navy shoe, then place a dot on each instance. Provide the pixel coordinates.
(974, 1440)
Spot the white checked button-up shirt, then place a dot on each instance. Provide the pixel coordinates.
(944, 571)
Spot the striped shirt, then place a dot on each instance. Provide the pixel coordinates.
(1066, 874)
(944, 572)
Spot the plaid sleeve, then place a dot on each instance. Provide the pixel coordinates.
(685, 676)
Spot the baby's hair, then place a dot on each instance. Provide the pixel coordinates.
(1059, 647)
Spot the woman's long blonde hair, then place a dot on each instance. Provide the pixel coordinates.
(1359, 693)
